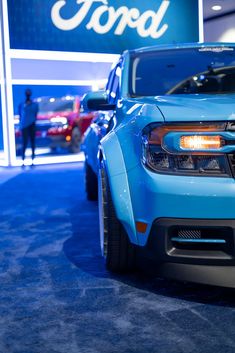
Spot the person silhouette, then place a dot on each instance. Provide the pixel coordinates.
(28, 111)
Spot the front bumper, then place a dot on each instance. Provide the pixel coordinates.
(156, 196)
(193, 250)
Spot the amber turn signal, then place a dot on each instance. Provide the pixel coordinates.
(141, 227)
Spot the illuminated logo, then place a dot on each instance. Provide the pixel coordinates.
(147, 24)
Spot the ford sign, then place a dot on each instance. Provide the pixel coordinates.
(101, 26)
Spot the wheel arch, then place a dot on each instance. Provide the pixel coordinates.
(110, 154)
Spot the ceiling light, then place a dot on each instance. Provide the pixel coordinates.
(216, 7)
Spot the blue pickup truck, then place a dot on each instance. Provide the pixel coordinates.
(161, 158)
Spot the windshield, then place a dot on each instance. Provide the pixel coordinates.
(55, 105)
(183, 71)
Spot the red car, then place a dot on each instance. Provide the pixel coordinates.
(60, 123)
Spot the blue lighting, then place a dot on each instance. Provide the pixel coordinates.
(46, 91)
(212, 241)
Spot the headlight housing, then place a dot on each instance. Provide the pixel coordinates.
(185, 149)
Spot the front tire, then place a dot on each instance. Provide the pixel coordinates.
(119, 253)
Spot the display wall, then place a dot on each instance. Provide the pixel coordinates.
(3, 130)
(61, 48)
(100, 26)
(220, 29)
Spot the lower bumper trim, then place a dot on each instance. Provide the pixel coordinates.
(223, 276)
(193, 250)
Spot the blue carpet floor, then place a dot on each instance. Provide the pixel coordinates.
(57, 297)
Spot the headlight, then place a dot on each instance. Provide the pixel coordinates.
(185, 149)
(59, 120)
(197, 142)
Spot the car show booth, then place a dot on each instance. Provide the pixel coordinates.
(65, 48)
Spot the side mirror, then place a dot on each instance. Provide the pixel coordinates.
(96, 101)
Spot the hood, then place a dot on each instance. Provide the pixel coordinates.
(198, 107)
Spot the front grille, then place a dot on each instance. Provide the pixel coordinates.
(189, 234)
(43, 125)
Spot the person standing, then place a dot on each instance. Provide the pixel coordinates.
(28, 111)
